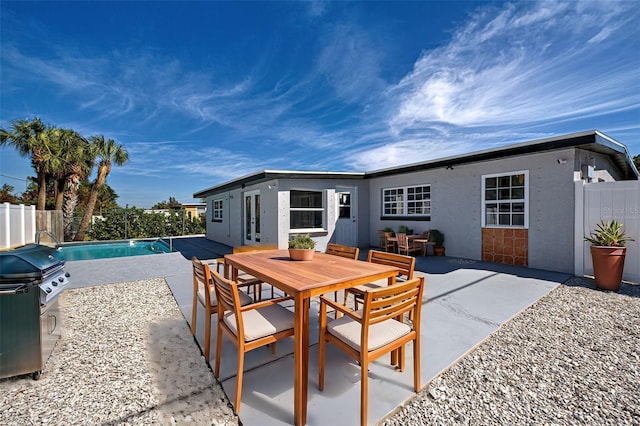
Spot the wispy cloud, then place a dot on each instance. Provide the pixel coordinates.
(510, 72)
(518, 65)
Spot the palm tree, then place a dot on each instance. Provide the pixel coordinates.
(106, 152)
(33, 138)
(76, 160)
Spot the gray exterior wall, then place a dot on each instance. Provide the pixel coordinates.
(274, 211)
(457, 212)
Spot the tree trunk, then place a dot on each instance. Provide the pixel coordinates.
(59, 193)
(91, 203)
(42, 191)
(71, 200)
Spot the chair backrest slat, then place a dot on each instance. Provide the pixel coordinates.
(201, 278)
(248, 249)
(343, 251)
(393, 301)
(406, 264)
(226, 292)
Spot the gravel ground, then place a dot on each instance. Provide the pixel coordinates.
(126, 356)
(572, 358)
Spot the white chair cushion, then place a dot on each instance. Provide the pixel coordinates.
(380, 334)
(244, 298)
(261, 322)
(377, 284)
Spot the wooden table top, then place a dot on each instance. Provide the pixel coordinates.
(321, 275)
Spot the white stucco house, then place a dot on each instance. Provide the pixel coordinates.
(515, 204)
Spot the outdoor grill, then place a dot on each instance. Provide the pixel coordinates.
(31, 279)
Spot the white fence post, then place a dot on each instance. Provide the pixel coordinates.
(5, 217)
(31, 224)
(578, 229)
(17, 225)
(22, 226)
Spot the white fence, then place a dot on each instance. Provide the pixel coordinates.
(17, 225)
(607, 201)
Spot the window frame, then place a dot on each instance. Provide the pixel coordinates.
(217, 213)
(404, 214)
(323, 209)
(505, 201)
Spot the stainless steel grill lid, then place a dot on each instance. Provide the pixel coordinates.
(28, 264)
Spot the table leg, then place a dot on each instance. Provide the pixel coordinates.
(305, 360)
(298, 355)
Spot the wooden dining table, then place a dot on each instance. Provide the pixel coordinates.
(303, 280)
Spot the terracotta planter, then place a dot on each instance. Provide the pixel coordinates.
(608, 265)
(438, 251)
(301, 254)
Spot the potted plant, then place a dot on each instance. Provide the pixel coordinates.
(301, 247)
(438, 238)
(403, 229)
(607, 253)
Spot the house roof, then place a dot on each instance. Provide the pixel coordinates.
(592, 140)
(265, 175)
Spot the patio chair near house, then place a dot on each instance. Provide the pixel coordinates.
(342, 251)
(375, 331)
(204, 294)
(249, 327)
(406, 265)
(406, 245)
(242, 277)
(388, 244)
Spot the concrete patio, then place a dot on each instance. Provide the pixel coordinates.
(465, 301)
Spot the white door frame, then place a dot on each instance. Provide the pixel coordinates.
(251, 218)
(346, 230)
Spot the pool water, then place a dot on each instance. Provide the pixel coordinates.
(108, 249)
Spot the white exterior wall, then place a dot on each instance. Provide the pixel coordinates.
(457, 212)
(274, 211)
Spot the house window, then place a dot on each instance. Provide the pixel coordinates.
(505, 200)
(407, 201)
(307, 210)
(344, 205)
(216, 210)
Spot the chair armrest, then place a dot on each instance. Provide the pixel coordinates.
(264, 303)
(342, 308)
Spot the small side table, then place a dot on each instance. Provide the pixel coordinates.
(425, 243)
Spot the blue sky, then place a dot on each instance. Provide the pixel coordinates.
(203, 92)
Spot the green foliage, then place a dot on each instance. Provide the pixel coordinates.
(608, 234)
(172, 204)
(437, 237)
(132, 222)
(6, 195)
(302, 242)
(403, 229)
(636, 161)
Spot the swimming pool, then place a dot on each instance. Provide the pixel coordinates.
(107, 249)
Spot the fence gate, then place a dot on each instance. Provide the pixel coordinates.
(607, 201)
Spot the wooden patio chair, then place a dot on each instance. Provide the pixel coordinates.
(406, 245)
(406, 264)
(376, 330)
(243, 278)
(342, 251)
(389, 245)
(204, 294)
(249, 327)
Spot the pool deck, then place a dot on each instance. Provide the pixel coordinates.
(465, 301)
